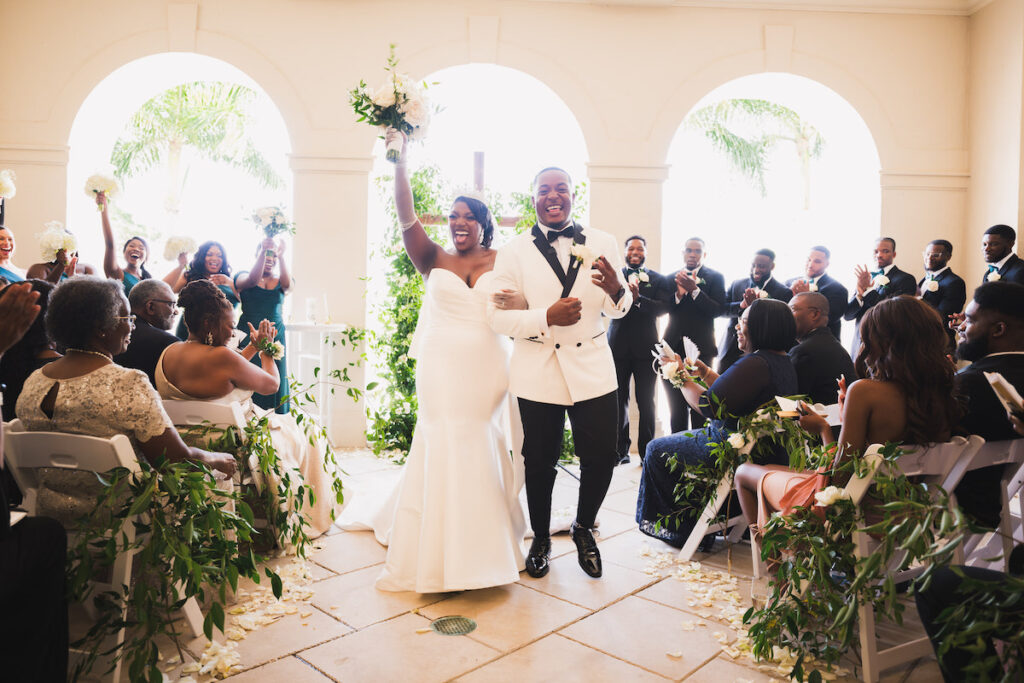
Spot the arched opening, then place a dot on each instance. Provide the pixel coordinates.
(216, 199)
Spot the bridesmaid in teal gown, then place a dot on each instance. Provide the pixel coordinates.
(8, 270)
(209, 263)
(135, 252)
(262, 298)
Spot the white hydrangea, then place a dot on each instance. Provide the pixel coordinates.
(178, 245)
(55, 238)
(7, 188)
(99, 182)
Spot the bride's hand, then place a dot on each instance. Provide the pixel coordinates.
(393, 134)
(509, 299)
(267, 331)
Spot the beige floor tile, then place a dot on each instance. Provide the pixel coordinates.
(722, 668)
(623, 501)
(625, 549)
(353, 599)
(739, 564)
(286, 670)
(555, 658)
(567, 581)
(613, 523)
(626, 477)
(351, 550)
(646, 634)
(508, 617)
(674, 593)
(394, 651)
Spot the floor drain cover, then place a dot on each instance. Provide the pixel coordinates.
(453, 626)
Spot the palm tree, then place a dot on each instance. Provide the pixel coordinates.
(207, 116)
(771, 124)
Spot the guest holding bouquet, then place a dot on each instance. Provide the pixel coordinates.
(135, 252)
(60, 256)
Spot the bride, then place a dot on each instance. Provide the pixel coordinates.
(455, 521)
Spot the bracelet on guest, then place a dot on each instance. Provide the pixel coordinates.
(406, 225)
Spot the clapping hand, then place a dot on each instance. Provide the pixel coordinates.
(685, 284)
(509, 299)
(634, 289)
(800, 286)
(863, 276)
(749, 297)
(18, 308)
(268, 244)
(266, 332)
(220, 279)
(841, 383)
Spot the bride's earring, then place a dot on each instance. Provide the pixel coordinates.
(209, 338)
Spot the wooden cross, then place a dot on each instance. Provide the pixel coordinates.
(478, 185)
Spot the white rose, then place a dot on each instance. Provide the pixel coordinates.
(737, 440)
(7, 188)
(813, 287)
(384, 96)
(264, 216)
(669, 370)
(634, 279)
(415, 111)
(582, 253)
(643, 276)
(830, 495)
(933, 285)
(762, 294)
(880, 281)
(993, 276)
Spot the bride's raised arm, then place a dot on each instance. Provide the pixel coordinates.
(421, 249)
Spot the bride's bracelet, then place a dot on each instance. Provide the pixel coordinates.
(406, 225)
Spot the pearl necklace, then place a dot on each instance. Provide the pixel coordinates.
(93, 353)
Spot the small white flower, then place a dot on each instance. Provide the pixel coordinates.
(384, 96)
(762, 294)
(634, 279)
(277, 350)
(7, 188)
(737, 440)
(993, 276)
(178, 245)
(582, 253)
(54, 239)
(932, 286)
(813, 287)
(830, 495)
(415, 110)
(880, 281)
(102, 183)
(669, 370)
(643, 276)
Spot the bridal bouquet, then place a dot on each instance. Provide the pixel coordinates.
(178, 245)
(102, 183)
(272, 221)
(7, 188)
(55, 238)
(399, 103)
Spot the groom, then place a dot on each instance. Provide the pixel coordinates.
(561, 362)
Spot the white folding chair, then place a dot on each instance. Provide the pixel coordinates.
(26, 452)
(981, 549)
(212, 414)
(706, 521)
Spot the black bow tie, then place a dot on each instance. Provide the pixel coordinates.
(555, 234)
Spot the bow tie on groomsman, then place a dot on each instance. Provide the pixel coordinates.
(564, 232)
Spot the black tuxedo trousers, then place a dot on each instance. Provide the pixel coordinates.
(593, 432)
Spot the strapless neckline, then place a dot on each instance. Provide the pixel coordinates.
(464, 283)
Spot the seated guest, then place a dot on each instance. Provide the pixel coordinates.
(205, 369)
(873, 286)
(941, 288)
(816, 279)
(992, 338)
(154, 306)
(765, 332)
(31, 352)
(33, 554)
(744, 292)
(819, 359)
(906, 396)
(85, 392)
(1003, 264)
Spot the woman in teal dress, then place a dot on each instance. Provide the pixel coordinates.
(209, 263)
(135, 252)
(8, 270)
(262, 297)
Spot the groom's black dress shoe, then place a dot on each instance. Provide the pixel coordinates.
(586, 550)
(538, 561)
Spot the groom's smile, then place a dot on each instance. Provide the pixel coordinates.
(552, 197)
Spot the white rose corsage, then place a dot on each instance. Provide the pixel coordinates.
(7, 188)
(643, 276)
(178, 245)
(55, 238)
(830, 495)
(994, 276)
(582, 253)
(880, 281)
(273, 348)
(737, 440)
(762, 294)
(932, 285)
(102, 183)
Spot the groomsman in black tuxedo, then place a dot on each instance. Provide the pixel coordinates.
(1003, 264)
(941, 288)
(742, 293)
(815, 279)
(885, 282)
(698, 298)
(632, 339)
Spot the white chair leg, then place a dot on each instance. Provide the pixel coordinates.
(704, 520)
(193, 616)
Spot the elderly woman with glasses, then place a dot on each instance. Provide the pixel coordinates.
(85, 392)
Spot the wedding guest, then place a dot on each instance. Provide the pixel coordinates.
(698, 298)
(765, 332)
(135, 252)
(8, 270)
(744, 292)
(632, 338)
(262, 297)
(154, 306)
(819, 359)
(992, 338)
(941, 288)
(1003, 264)
(209, 263)
(85, 392)
(816, 279)
(877, 285)
(33, 554)
(34, 350)
(60, 268)
(905, 395)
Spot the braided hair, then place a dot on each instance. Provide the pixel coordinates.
(203, 303)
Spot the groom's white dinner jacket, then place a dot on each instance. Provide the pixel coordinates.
(557, 364)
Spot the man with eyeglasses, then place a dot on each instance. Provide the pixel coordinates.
(818, 358)
(154, 307)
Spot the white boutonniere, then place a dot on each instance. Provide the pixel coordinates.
(830, 495)
(932, 285)
(993, 276)
(582, 253)
(643, 276)
(880, 281)
(812, 287)
(762, 294)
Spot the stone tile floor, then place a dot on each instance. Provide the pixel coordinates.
(629, 625)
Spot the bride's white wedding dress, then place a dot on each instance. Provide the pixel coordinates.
(454, 520)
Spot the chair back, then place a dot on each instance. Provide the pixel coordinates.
(942, 464)
(26, 452)
(188, 413)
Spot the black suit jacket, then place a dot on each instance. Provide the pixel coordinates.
(1012, 271)
(899, 283)
(695, 317)
(949, 298)
(819, 360)
(837, 296)
(144, 349)
(775, 289)
(636, 333)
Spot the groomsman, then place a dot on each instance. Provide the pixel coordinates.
(885, 282)
(632, 339)
(815, 279)
(941, 288)
(1003, 264)
(699, 298)
(744, 292)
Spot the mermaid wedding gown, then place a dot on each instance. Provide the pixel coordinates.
(454, 520)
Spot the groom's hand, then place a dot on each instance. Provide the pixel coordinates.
(565, 312)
